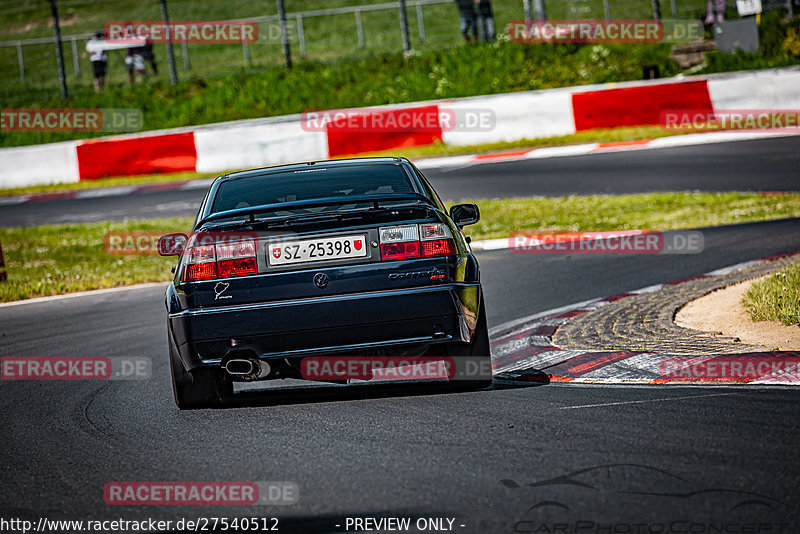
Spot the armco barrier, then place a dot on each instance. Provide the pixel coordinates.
(531, 114)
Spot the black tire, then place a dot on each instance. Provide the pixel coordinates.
(201, 388)
(478, 349)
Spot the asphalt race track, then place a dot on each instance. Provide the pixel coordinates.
(597, 459)
(762, 165)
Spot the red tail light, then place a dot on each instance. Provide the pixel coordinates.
(222, 260)
(399, 242)
(400, 251)
(237, 259)
(200, 271)
(415, 241)
(439, 247)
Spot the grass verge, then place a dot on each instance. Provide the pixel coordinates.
(439, 149)
(776, 298)
(648, 211)
(56, 259)
(50, 260)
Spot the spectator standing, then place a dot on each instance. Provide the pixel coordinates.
(466, 10)
(99, 59)
(715, 11)
(134, 61)
(485, 20)
(149, 56)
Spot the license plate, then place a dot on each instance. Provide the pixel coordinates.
(321, 249)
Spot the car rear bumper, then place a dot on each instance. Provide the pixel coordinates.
(379, 320)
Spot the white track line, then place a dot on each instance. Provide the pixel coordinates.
(665, 399)
(79, 294)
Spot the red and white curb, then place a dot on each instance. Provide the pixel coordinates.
(100, 192)
(523, 350)
(599, 148)
(443, 162)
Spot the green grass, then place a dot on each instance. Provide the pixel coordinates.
(439, 149)
(388, 79)
(336, 73)
(776, 297)
(327, 38)
(49, 260)
(650, 211)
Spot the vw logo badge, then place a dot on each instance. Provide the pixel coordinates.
(321, 280)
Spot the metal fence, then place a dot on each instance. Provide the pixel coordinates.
(28, 65)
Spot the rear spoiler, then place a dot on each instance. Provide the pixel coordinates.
(251, 211)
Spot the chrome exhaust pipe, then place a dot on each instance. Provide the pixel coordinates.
(247, 369)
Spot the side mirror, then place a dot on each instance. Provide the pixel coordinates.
(464, 214)
(172, 244)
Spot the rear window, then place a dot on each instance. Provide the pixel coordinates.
(311, 183)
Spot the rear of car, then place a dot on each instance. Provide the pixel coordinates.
(344, 258)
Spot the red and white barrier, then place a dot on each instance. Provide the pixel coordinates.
(524, 115)
(247, 144)
(53, 163)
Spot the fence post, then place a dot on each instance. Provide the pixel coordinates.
(245, 48)
(173, 74)
(656, 10)
(21, 62)
(404, 26)
(607, 9)
(526, 4)
(301, 35)
(540, 10)
(287, 53)
(420, 22)
(75, 59)
(360, 29)
(59, 51)
(3, 273)
(185, 52)
(674, 6)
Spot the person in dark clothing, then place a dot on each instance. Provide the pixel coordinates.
(485, 20)
(466, 10)
(149, 56)
(134, 60)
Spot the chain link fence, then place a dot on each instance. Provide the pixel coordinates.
(347, 29)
